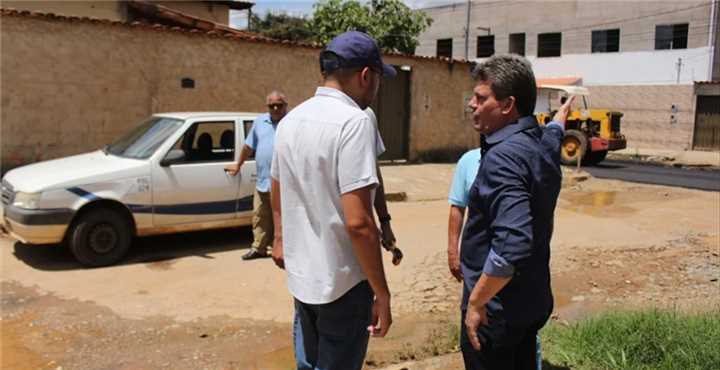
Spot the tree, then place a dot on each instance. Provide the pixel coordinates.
(393, 24)
(282, 27)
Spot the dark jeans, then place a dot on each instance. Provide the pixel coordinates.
(504, 347)
(333, 335)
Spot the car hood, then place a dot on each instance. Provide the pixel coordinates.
(73, 171)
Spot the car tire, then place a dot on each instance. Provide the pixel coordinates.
(100, 237)
(573, 147)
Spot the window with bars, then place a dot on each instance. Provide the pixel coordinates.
(444, 48)
(549, 44)
(517, 44)
(671, 36)
(485, 46)
(605, 41)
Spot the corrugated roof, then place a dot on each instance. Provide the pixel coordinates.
(217, 32)
(234, 4)
(570, 80)
(175, 17)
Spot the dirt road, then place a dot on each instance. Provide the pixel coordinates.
(189, 302)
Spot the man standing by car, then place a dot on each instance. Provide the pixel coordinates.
(260, 141)
(505, 251)
(324, 176)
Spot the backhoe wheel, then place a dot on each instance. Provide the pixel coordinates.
(595, 157)
(101, 237)
(574, 146)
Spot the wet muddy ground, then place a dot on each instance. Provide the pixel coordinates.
(189, 302)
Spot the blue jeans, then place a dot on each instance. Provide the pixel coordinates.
(333, 335)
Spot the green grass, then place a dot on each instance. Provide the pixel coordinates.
(650, 339)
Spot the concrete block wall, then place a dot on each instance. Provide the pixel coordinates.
(647, 121)
(440, 128)
(72, 86)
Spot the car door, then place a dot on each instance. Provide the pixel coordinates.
(248, 172)
(197, 189)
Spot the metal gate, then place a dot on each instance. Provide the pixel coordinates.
(707, 123)
(392, 107)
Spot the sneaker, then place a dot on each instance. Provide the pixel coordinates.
(253, 254)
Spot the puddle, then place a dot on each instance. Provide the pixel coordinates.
(613, 203)
(15, 354)
(598, 203)
(45, 332)
(571, 301)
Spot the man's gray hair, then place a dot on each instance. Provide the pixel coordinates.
(510, 75)
(278, 94)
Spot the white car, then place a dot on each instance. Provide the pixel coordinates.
(165, 176)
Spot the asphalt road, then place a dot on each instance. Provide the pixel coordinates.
(692, 178)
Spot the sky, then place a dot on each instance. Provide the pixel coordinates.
(302, 8)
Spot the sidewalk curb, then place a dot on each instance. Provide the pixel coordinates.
(658, 160)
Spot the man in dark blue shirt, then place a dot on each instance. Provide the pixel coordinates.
(505, 251)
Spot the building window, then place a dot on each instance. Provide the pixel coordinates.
(485, 46)
(671, 36)
(549, 44)
(606, 41)
(444, 48)
(517, 44)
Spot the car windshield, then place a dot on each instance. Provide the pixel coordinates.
(143, 141)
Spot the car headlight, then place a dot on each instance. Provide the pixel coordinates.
(26, 200)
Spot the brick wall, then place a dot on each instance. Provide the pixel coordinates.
(71, 86)
(647, 113)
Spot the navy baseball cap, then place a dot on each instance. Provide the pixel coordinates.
(353, 50)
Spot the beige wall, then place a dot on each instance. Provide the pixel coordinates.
(117, 11)
(439, 127)
(71, 87)
(111, 10)
(647, 113)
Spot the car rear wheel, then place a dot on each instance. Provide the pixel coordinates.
(574, 146)
(101, 237)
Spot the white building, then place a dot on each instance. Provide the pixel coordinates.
(640, 57)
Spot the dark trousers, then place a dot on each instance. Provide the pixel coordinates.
(333, 336)
(504, 347)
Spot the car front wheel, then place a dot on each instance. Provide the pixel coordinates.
(101, 237)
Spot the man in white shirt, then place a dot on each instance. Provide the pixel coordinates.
(324, 177)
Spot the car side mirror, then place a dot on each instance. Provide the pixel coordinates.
(172, 157)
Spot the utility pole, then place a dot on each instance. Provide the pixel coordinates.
(467, 31)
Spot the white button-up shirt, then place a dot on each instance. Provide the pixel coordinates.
(324, 148)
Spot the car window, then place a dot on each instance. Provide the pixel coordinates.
(143, 141)
(247, 125)
(208, 142)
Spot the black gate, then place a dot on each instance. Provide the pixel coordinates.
(707, 123)
(392, 107)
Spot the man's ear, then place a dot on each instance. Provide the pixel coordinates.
(365, 76)
(508, 105)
